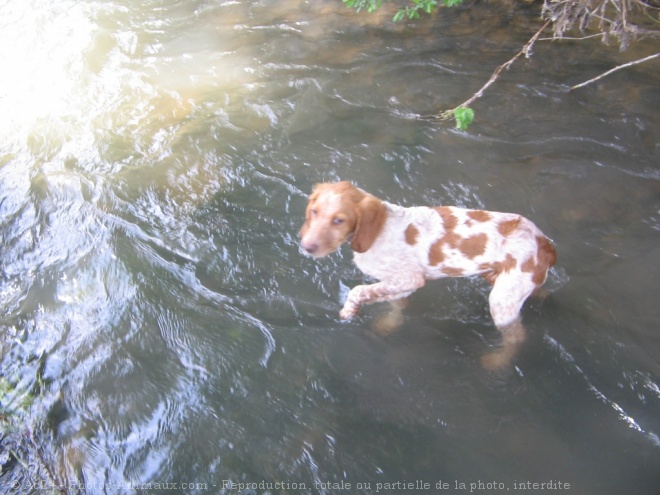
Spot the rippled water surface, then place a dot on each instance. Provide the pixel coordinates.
(160, 326)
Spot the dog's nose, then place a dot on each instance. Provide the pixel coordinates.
(310, 247)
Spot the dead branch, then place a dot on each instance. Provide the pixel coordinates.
(525, 50)
(618, 67)
(621, 19)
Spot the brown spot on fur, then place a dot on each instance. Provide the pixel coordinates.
(493, 270)
(507, 227)
(479, 215)
(436, 254)
(448, 219)
(509, 263)
(450, 238)
(528, 265)
(453, 272)
(546, 256)
(411, 234)
(490, 276)
(474, 246)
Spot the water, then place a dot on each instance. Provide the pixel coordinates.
(160, 325)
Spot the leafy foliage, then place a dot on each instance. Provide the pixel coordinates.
(410, 11)
(360, 5)
(464, 117)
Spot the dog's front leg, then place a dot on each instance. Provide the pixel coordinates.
(381, 291)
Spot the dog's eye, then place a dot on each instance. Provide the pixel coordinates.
(337, 221)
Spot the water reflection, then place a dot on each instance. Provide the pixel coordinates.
(154, 163)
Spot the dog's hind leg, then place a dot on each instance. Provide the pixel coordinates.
(509, 292)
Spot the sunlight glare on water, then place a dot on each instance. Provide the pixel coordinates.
(42, 71)
(103, 86)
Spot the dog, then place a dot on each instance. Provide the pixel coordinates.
(404, 247)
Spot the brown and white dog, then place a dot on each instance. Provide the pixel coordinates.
(404, 247)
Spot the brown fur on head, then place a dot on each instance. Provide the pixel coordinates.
(337, 212)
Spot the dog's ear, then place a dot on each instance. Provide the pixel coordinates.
(371, 216)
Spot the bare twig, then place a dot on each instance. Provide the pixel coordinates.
(571, 38)
(525, 50)
(618, 67)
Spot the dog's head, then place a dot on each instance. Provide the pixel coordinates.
(338, 212)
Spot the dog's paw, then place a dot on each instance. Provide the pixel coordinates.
(348, 312)
(388, 323)
(499, 360)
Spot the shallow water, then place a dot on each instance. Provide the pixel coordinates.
(160, 325)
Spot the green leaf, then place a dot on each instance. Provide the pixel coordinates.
(464, 117)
